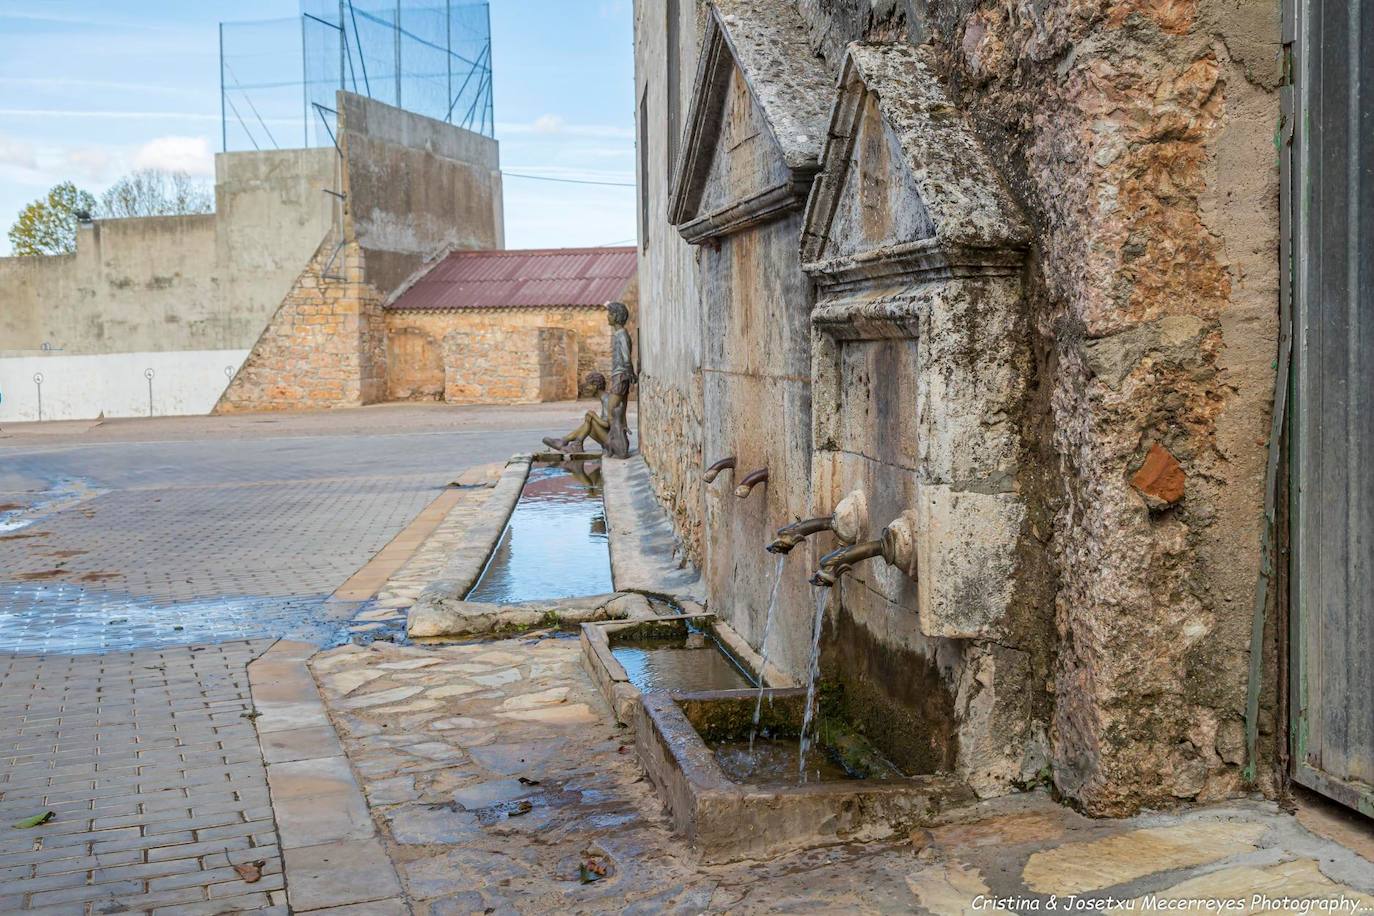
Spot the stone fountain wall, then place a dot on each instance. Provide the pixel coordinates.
(1136, 138)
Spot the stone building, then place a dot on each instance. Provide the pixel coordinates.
(1011, 271)
(492, 327)
(279, 289)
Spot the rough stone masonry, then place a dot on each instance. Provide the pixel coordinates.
(1136, 137)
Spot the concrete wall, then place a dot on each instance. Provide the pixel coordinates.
(415, 186)
(171, 285)
(185, 382)
(1137, 138)
(412, 187)
(176, 282)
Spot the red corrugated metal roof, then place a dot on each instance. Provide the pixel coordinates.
(521, 279)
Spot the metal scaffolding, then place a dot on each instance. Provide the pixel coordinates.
(278, 77)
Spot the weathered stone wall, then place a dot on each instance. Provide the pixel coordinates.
(325, 346)
(670, 322)
(1138, 135)
(510, 365)
(498, 335)
(1137, 138)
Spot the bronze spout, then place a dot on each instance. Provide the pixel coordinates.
(791, 535)
(715, 469)
(838, 562)
(746, 486)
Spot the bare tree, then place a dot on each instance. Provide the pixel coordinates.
(154, 192)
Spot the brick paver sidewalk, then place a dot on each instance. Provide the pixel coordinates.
(151, 765)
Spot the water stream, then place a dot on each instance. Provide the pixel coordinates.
(763, 647)
(554, 545)
(812, 674)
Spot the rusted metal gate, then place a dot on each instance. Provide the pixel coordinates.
(1330, 254)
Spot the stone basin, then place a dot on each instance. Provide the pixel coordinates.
(616, 685)
(725, 821)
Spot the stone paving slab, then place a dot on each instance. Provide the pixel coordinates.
(494, 770)
(151, 765)
(333, 856)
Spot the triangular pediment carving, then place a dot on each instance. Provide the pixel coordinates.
(755, 124)
(905, 186)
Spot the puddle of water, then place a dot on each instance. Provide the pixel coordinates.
(63, 618)
(694, 662)
(555, 545)
(61, 494)
(776, 761)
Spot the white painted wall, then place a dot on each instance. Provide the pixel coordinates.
(115, 384)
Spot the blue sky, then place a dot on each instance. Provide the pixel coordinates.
(90, 89)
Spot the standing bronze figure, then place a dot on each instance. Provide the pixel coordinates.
(622, 377)
(609, 428)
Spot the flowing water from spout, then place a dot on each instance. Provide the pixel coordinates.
(763, 647)
(812, 673)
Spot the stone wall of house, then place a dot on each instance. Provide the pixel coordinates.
(1137, 138)
(499, 365)
(671, 325)
(501, 341)
(325, 346)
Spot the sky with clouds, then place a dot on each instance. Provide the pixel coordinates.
(91, 89)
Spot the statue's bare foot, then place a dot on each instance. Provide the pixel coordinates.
(566, 446)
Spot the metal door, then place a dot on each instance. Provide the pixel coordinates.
(1330, 208)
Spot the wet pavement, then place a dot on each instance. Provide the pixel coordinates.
(115, 545)
(502, 785)
(69, 619)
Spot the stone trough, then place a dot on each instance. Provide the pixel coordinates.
(724, 820)
(614, 682)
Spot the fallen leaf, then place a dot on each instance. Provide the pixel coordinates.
(526, 781)
(250, 872)
(36, 820)
(591, 870)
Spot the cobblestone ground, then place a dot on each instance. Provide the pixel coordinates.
(496, 772)
(138, 579)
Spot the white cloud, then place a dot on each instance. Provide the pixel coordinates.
(548, 124)
(177, 154)
(17, 153)
(91, 163)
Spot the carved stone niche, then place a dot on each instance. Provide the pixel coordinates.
(756, 122)
(920, 352)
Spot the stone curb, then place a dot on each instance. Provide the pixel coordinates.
(445, 618)
(465, 565)
(331, 852)
(643, 545)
